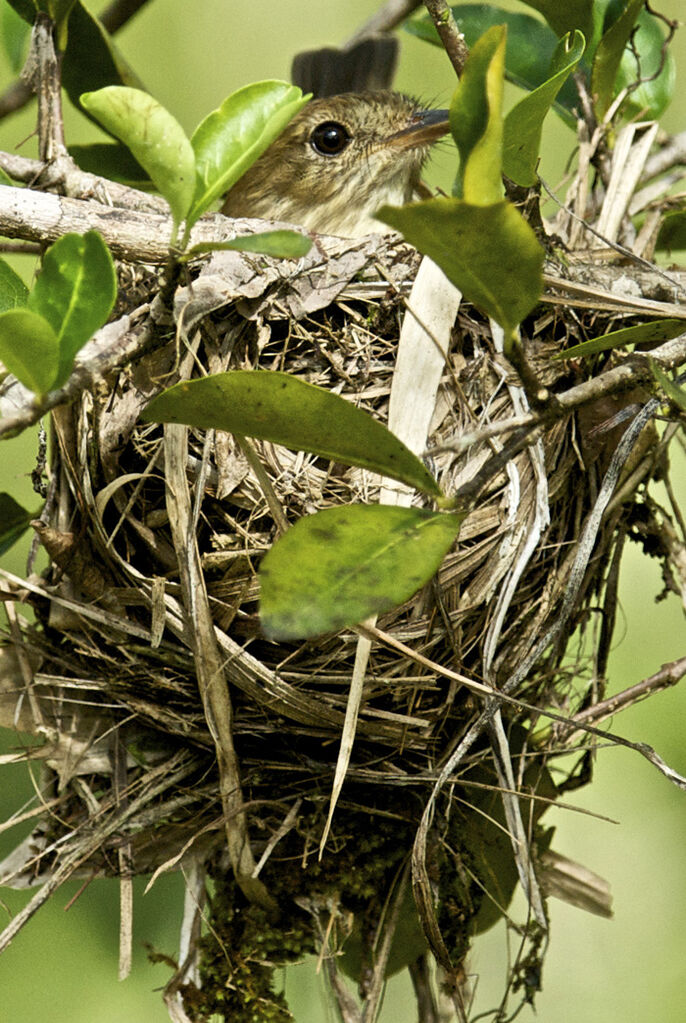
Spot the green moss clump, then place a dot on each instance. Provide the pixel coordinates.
(243, 945)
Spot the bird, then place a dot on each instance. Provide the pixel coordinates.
(338, 161)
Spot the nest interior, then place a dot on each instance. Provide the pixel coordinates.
(132, 758)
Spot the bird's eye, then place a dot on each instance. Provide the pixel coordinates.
(329, 138)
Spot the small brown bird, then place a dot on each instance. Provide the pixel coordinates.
(338, 161)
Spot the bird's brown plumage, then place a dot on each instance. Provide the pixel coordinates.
(338, 192)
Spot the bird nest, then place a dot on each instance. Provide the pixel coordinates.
(135, 763)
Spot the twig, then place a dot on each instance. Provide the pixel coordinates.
(111, 348)
(116, 15)
(20, 248)
(499, 697)
(621, 249)
(671, 155)
(17, 95)
(385, 19)
(420, 878)
(209, 664)
(420, 974)
(83, 185)
(160, 779)
(451, 37)
(668, 675)
(669, 356)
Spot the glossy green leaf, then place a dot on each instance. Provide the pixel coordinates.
(342, 565)
(278, 244)
(13, 291)
(232, 137)
(489, 252)
(26, 9)
(75, 293)
(608, 56)
(528, 52)
(14, 34)
(675, 393)
(584, 15)
(476, 121)
(284, 410)
(14, 520)
(154, 136)
(110, 160)
(644, 333)
(672, 234)
(29, 348)
(653, 96)
(524, 123)
(92, 60)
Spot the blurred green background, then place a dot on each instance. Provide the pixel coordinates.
(63, 966)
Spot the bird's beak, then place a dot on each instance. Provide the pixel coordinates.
(424, 128)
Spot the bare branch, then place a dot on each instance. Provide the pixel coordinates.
(17, 95)
(451, 37)
(116, 15)
(668, 675)
(385, 19)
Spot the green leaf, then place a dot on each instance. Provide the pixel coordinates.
(110, 160)
(59, 10)
(489, 252)
(29, 348)
(91, 59)
(5, 179)
(154, 136)
(342, 565)
(524, 123)
(528, 53)
(476, 121)
(14, 520)
(585, 15)
(645, 333)
(278, 244)
(651, 97)
(608, 56)
(14, 33)
(284, 410)
(13, 291)
(676, 394)
(26, 9)
(673, 232)
(232, 137)
(75, 292)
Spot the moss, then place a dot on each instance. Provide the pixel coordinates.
(243, 946)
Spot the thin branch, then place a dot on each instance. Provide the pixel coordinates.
(453, 40)
(46, 79)
(81, 184)
(14, 98)
(17, 95)
(114, 346)
(116, 15)
(670, 355)
(668, 675)
(673, 154)
(385, 19)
